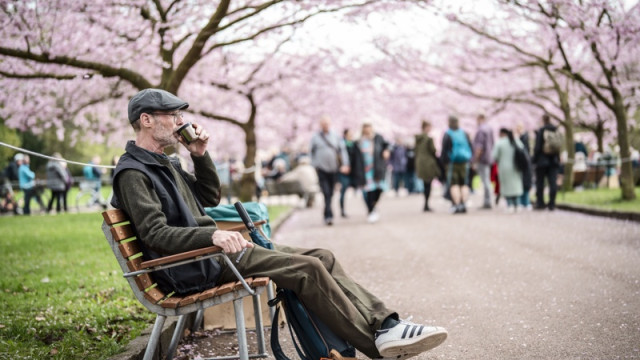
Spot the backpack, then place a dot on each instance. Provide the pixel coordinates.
(552, 141)
(312, 339)
(460, 147)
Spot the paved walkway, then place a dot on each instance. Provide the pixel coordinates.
(533, 285)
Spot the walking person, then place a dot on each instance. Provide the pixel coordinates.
(504, 154)
(546, 159)
(27, 180)
(398, 162)
(482, 147)
(456, 154)
(527, 173)
(375, 154)
(328, 157)
(68, 183)
(354, 177)
(56, 182)
(427, 167)
(166, 208)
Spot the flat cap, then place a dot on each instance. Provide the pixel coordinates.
(149, 100)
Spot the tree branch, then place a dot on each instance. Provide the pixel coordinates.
(134, 78)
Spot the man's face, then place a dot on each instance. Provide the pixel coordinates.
(367, 130)
(165, 125)
(325, 124)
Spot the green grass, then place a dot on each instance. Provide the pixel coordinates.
(602, 199)
(62, 292)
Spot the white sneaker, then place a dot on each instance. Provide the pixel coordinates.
(407, 339)
(373, 217)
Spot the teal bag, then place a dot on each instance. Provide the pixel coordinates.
(257, 211)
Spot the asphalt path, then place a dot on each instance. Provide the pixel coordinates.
(530, 285)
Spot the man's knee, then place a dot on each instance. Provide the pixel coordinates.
(325, 258)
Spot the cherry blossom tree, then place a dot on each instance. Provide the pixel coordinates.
(74, 61)
(519, 54)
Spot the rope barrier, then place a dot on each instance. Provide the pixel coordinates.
(245, 171)
(53, 158)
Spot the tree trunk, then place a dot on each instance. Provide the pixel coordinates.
(563, 97)
(600, 137)
(626, 170)
(567, 183)
(248, 180)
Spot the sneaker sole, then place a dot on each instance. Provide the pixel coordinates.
(407, 348)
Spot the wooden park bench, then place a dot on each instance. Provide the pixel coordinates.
(291, 187)
(138, 272)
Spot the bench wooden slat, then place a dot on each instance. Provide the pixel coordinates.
(226, 288)
(234, 226)
(114, 216)
(260, 281)
(129, 248)
(143, 281)
(208, 294)
(239, 285)
(171, 303)
(189, 299)
(182, 256)
(124, 232)
(134, 264)
(154, 295)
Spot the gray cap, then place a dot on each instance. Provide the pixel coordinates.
(149, 100)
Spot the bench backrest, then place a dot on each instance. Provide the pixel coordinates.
(127, 249)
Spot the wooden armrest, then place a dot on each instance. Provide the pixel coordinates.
(178, 257)
(241, 227)
(193, 253)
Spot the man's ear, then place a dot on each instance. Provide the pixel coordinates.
(146, 120)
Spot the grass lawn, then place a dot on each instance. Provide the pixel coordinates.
(602, 199)
(62, 292)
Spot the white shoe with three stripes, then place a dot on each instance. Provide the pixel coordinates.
(407, 339)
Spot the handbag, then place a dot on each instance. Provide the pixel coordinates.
(338, 156)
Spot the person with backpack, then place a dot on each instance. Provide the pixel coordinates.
(166, 207)
(546, 159)
(456, 155)
(509, 169)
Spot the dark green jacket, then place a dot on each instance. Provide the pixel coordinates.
(165, 205)
(426, 160)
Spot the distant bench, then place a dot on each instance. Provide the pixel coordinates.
(275, 188)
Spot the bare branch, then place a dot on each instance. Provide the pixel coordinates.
(134, 78)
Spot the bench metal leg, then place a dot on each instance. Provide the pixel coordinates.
(257, 311)
(197, 322)
(177, 335)
(270, 296)
(154, 339)
(241, 329)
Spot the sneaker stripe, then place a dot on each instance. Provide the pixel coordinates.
(406, 329)
(413, 330)
(420, 330)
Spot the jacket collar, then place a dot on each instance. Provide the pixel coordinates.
(145, 156)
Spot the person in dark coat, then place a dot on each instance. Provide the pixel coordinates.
(427, 167)
(547, 166)
(354, 176)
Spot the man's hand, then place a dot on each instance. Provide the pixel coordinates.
(344, 169)
(199, 146)
(230, 241)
